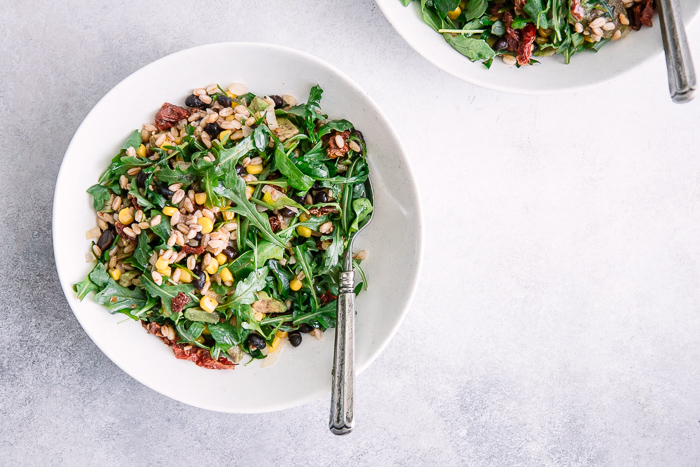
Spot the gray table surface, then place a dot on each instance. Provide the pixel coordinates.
(557, 318)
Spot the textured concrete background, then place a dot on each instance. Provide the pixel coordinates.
(557, 319)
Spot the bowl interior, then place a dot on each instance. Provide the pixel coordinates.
(392, 240)
(551, 75)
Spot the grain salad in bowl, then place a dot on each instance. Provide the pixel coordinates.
(220, 225)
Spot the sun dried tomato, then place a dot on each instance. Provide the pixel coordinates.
(327, 297)
(512, 35)
(275, 223)
(169, 115)
(193, 250)
(647, 12)
(525, 47)
(135, 204)
(201, 357)
(178, 302)
(519, 4)
(333, 150)
(322, 211)
(577, 11)
(120, 230)
(157, 330)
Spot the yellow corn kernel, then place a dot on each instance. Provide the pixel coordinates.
(221, 258)
(141, 151)
(228, 215)
(200, 339)
(125, 216)
(267, 197)
(303, 217)
(115, 273)
(226, 275)
(224, 135)
(249, 190)
(161, 263)
(213, 267)
(206, 330)
(185, 276)
(178, 140)
(275, 344)
(258, 316)
(164, 271)
(206, 223)
(169, 210)
(166, 142)
(281, 334)
(304, 231)
(231, 95)
(208, 304)
(295, 284)
(230, 118)
(454, 14)
(200, 198)
(254, 169)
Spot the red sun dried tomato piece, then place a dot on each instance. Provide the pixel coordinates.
(193, 250)
(512, 35)
(201, 357)
(178, 302)
(169, 115)
(577, 11)
(525, 47)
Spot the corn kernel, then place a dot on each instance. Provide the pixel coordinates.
(303, 217)
(200, 198)
(267, 197)
(224, 135)
(115, 273)
(212, 267)
(249, 190)
(304, 231)
(228, 215)
(231, 95)
(226, 275)
(454, 14)
(185, 276)
(166, 142)
(221, 258)
(254, 169)
(258, 316)
(230, 118)
(126, 217)
(275, 344)
(206, 330)
(295, 284)
(281, 334)
(200, 340)
(141, 151)
(208, 304)
(206, 223)
(164, 271)
(169, 210)
(161, 263)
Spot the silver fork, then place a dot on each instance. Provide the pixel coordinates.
(342, 418)
(679, 63)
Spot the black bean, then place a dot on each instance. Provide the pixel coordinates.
(279, 102)
(294, 338)
(305, 328)
(239, 169)
(141, 179)
(106, 239)
(254, 340)
(299, 198)
(501, 44)
(230, 252)
(320, 197)
(194, 101)
(224, 100)
(198, 236)
(162, 189)
(199, 282)
(212, 129)
(317, 185)
(286, 212)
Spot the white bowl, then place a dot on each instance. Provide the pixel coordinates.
(393, 240)
(551, 75)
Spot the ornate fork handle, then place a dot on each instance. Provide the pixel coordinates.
(679, 63)
(344, 358)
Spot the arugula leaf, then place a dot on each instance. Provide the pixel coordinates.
(245, 208)
(84, 287)
(472, 48)
(334, 125)
(475, 9)
(168, 292)
(296, 178)
(228, 158)
(246, 289)
(331, 257)
(117, 298)
(163, 229)
(134, 191)
(498, 28)
(300, 255)
(224, 334)
(260, 137)
(537, 12)
(445, 6)
(406, 2)
(99, 275)
(133, 141)
(191, 333)
(142, 253)
(430, 17)
(362, 208)
(100, 196)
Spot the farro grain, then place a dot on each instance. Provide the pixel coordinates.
(157, 278)
(155, 221)
(172, 239)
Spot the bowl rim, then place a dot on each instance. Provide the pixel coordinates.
(61, 178)
(484, 83)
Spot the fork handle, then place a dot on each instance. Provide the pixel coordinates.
(342, 419)
(679, 63)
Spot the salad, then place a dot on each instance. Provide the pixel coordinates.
(518, 30)
(221, 225)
